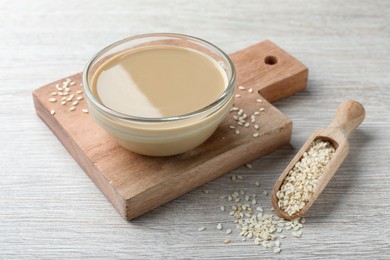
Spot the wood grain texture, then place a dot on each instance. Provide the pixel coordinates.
(45, 196)
(136, 184)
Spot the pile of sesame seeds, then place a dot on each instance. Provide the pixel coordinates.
(253, 221)
(302, 180)
(242, 118)
(67, 94)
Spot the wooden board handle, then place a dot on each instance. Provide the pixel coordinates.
(349, 115)
(271, 71)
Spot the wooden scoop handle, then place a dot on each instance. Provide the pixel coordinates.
(349, 115)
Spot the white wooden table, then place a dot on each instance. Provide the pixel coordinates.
(50, 209)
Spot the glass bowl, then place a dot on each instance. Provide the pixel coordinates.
(162, 136)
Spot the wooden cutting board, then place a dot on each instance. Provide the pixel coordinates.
(136, 184)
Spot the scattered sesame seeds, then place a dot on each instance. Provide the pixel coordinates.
(237, 132)
(297, 234)
(63, 102)
(256, 126)
(228, 231)
(79, 91)
(202, 228)
(75, 103)
(262, 109)
(237, 95)
(54, 93)
(219, 226)
(257, 184)
(226, 241)
(255, 135)
(232, 126)
(250, 90)
(205, 191)
(259, 101)
(241, 88)
(52, 100)
(222, 208)
(265, 193)
(52, 112)
(79, 98)
(72, 109)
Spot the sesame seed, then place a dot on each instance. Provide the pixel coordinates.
(226, 241)
(241, 88)
(237, 132)
(75, 103)
(240, 177)
(201, 228)
(52, 112)
(250, 90)
(246, 124)
(205, 191)
(228, 231)
(72, 108)
(63, 102)
(232, 126)
(259, 101)
(54, 93)
(256, 113)
(255, 135)
(222, 208)
(219, 226)
(72, 83)
(52, 100)
(79, 98)
(256, 126)
(262, 109)
(277, 250)
(249, 166)
(79, 91)
(237, 95)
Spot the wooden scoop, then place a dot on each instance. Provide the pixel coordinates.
(349, 115)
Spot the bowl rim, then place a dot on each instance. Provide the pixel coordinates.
(222, 99)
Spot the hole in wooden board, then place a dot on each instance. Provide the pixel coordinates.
(270, 60)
